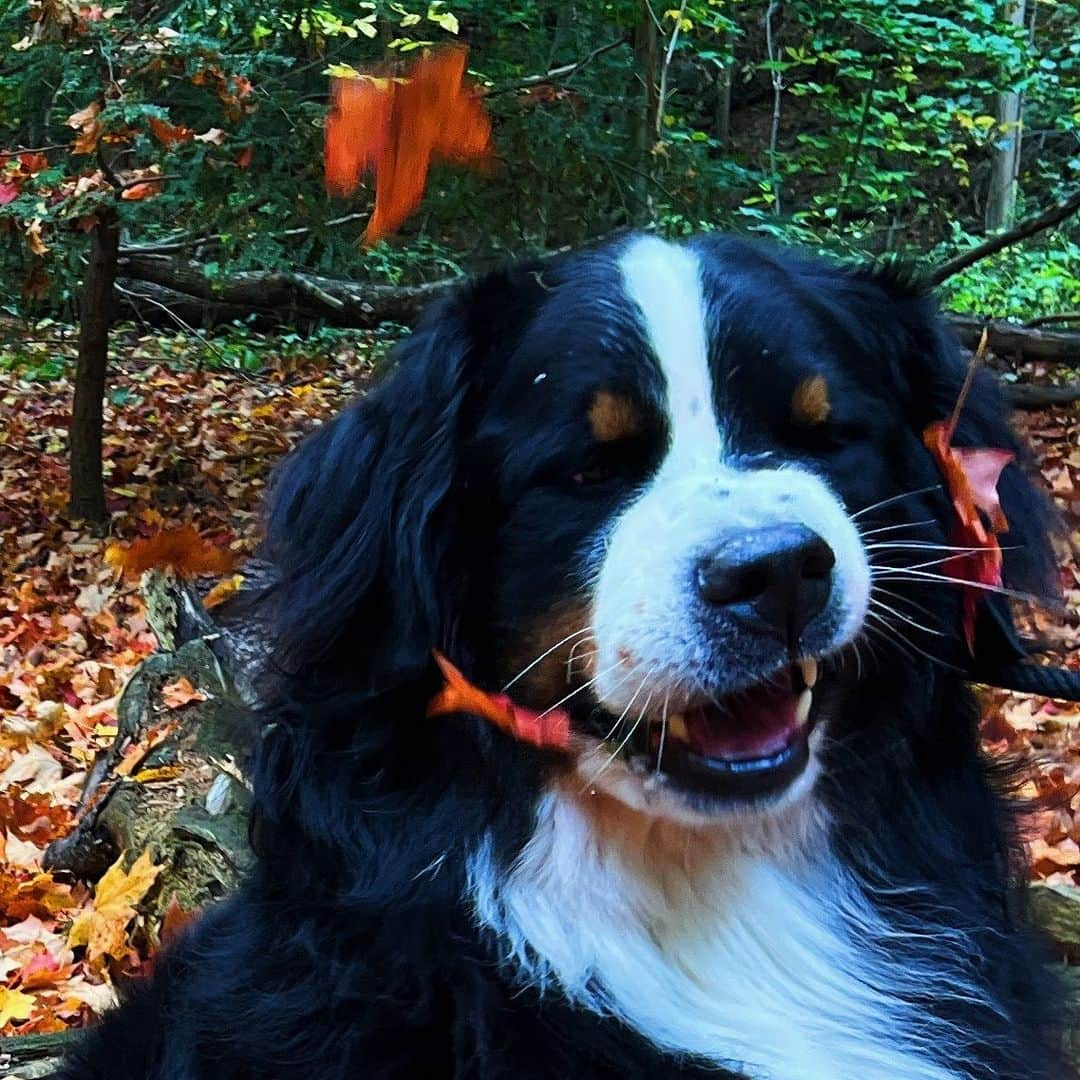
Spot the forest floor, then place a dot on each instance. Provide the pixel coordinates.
(194, 447)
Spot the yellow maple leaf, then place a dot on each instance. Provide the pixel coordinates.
(103, 929)
(157, 775)
(222, 591)
(14, 1005)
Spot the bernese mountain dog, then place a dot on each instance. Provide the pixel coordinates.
(679, 492)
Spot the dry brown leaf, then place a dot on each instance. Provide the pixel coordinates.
(177, 694)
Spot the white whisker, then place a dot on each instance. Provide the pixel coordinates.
(897, 573)
(663, 733)
(895, 499)
(892, 528)
(629, 704)
(585, 686)
(878, 603)
(524, 671)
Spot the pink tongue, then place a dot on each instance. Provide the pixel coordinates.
(753, 724)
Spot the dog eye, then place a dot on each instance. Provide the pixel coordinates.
(595, 474)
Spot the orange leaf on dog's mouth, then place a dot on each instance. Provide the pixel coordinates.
(550, 730)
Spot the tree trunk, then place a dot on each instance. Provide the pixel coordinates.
(1005, 163)
(95, 308)
(722, 109)
(643, 132)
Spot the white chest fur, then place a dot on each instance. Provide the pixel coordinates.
(741, 948)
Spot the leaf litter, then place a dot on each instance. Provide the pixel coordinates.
(187, 453)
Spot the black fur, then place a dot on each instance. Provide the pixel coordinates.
(439, 512)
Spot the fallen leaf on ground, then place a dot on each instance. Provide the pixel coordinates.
(103, 929)
(177, 694)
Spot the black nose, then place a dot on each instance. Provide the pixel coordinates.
(777, 578)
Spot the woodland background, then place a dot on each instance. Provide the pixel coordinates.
(180, 300)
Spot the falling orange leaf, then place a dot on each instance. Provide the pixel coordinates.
(398, 127)
(550, 729)
(137, 753)
(182, 550)
(175, 919)
(141, 191)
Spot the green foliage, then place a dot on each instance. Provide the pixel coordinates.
(45, 350)
(886, 128)
(1021, 282)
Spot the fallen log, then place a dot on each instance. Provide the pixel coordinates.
(185, 797)
(1017, 342)
(34, 1057)
(1040, 397)
(158, 288)
(286, 296)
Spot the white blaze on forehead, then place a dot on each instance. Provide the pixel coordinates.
(665, 282)
(654, 639)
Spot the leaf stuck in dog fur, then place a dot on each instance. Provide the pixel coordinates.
(971, 476)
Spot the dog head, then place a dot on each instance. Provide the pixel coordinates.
(678, 490)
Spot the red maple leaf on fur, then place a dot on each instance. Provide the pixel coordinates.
(971, 476)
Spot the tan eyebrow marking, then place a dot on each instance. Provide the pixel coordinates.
(810, 403)
(612, 416)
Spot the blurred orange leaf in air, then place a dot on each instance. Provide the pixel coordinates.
(182, 550)
(397, 127)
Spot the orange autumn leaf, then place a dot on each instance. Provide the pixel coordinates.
(398, 127)
(175, 920)
(141, 191)
(169, 135)
(176, 695)
(87, 124)
(971, 477)
(550, 729)
(135, 754)
(222, 591)
(182, 550)
(32, 162)
(33, 238)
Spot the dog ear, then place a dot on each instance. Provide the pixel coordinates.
(932, 369)
(362, 522)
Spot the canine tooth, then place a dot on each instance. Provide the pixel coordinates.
(809, 671)
(802, 709)
(676, 728)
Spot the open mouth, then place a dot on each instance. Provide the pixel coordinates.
(747, 745)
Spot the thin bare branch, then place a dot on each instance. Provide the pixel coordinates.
(1028, 228)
